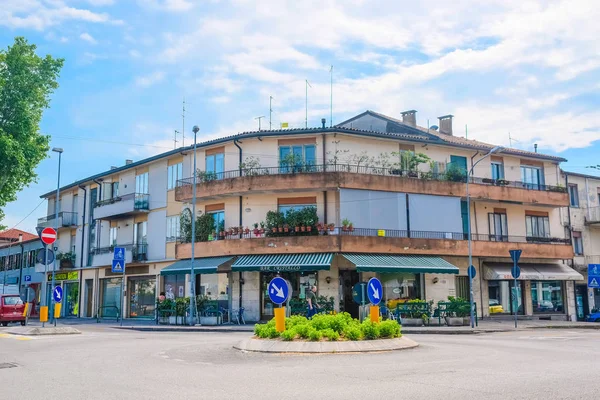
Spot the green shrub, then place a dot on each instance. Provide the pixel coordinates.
(339, 322)
(288, 335)
(321, 322)
(352, 333)
(389, 329)
(314, 335)
(302, 330)
(272, 332)
(370, 330)
(258, 329)
(295, 320)
(331, 335)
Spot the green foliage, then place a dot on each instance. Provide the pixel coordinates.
(352, 332)
(288, 335)
(185, 225)
(205, 176)
(26, 83)
(331, 335)
(370, 330)
(68, 256)
(205, 224)
(455, 174)
(303, 330)
(458, 307)
(389, 329)
(274, 219)
(314, 335)
(251, 166)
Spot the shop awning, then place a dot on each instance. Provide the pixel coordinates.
(283, 262)
(531, 272)
(400, 263)
(207, 265)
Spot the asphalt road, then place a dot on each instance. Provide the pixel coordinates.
(106, 363)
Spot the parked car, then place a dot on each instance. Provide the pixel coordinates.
(593, 317)
(11, 309)
(545, 305)
(495, 307)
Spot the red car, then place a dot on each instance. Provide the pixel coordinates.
(11, 309)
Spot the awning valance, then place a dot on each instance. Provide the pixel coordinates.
(400, 263)
(532, 272)
(207, 265)
(283, 262)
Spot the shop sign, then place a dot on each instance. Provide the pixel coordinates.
(64, 276)
(381, 232)
(287, 268)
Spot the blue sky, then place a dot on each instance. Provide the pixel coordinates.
(525, 67)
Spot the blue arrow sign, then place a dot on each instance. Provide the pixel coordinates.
(119, 254)
(374, 291)
(515, 255)
(515, 271)
(471, 271)
(594, 276)
(57, 294)
(278, 290)
(118, 266)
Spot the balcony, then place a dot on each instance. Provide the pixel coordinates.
(381, 241)
(592, 216)
(65, 220)
(332, 177)
(134, 254)
(122, 206)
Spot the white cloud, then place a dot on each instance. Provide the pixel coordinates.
(150, 79)
(100, 3)
(88, 38)
(134, 53)
(167, 5)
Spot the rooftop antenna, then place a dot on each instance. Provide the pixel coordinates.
(183, 123)
(175, 139)
(510, 140)
(306, 117)
(331, 98)
(466, 131)
(259, 118)
(270, 112)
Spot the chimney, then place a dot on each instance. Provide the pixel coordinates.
(127, 162)
(323, 120)
(409, 117)
(446, 124)
(20, 237)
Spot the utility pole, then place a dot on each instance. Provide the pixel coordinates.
(270, 112)
(306, 106)
(331, 99)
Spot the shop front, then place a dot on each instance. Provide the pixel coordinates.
(141, 296)
(541, 289)
(69, 281)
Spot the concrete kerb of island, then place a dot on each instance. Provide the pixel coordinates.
(255, 344)
(38, 331)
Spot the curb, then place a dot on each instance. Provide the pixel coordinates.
(193, 329)
(343, 347)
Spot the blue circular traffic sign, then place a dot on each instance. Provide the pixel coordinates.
(374, 291)
(57, 294)
(278, 290)
(472, 272)
(515, 271)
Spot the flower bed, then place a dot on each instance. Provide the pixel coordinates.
(328, 327)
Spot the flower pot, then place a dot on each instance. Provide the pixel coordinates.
(297, 229)
(344, 228)
(351, 228)
(309, 228)
(280, 230)
(331, 228)
(211, 320)
(286, 230)
(256, 231)
(247, 231)
(412, 321)
(262, 231)
(466, 321)
(274, 230)
(173, 320)
(454, 321)
(303, 228)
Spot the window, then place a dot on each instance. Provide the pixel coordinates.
(219, 221)
(574, 196)
(505, 298)
(459, 162)
(215, 163)
(462, 287)
(113, 236)
(296, 207)
(114, 187)
(297, 155)
(174, 286)
(498, 226)
(532, 177)
(577, 243)
(174, 173)
(173, 228)
(497, 170)
(75, 205)
(537, 226)
(12, 301)
(141, 183)
(140, 233)
(547, 297)
(72, 244)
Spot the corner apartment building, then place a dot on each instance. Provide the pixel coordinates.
(402, 187)
(582, 220)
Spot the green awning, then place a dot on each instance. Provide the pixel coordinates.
(283, 262)
(207, 265)
(400, 263)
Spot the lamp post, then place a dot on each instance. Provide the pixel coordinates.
(495, 150)
(56, 208)
(195, 129)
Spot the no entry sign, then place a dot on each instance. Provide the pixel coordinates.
(48, 236)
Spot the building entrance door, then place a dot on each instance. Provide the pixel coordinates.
(347, 281)
(581, 301)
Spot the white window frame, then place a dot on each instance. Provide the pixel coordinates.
(174, 173)
(173, 228)
(112, 236)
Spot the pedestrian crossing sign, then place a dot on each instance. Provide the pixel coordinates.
(594, 276)
(118, 266)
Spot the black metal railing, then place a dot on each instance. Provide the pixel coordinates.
(141, 201)
(389, 233)
(139, 251)
(451, 175)
(68, 218)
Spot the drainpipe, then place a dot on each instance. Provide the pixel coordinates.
(325, 191)
(82, 250)
(235, 142)
(21, 266)
(99, 235)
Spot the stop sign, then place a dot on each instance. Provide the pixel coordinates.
(48, 236)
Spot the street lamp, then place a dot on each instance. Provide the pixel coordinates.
(495, 150)
(195, 129)
(59, 151)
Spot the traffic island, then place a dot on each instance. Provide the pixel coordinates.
(359, 346)
(47, 331)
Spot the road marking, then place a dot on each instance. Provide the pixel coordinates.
(16, 337)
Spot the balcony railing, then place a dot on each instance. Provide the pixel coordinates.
(139, 251)
(394, 234)
(65, 219)
(592, 215)
(450, 175)
(141, 201)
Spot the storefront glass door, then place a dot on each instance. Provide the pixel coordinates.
(70, 307)
(142, 297)
(110, 297)
(504, 298)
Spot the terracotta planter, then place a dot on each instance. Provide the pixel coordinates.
(331, 228)
(344, 228)
(262, 230)
(351, 228)
(308, 228)
(280, 230)
(303, 228)
(274, 230)
(256, 231)
(297, 229)
(286, 230)
(247, 231)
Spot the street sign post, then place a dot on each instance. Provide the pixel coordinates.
(375, 293)
(278, 293)
(26, 294)
(41, 256)
(118, 266)
(594, 276)
(359, 295)
(515, 254)
(48, 236)
(57, 294)
(471, 271)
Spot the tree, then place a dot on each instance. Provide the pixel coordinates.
(26, 83)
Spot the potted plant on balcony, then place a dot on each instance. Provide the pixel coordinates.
(222, 234)
(345, 223)
(262, 227)
(331, 227)
(67, 260)
(320, 227)
(247, 230)
(457, 311)
(286, 228)
(256, 231)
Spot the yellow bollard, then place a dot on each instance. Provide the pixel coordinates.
(44, 314)
(374, 313)
(280, 319)
(57, 307)
(26, 309)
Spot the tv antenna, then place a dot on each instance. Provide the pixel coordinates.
(259, 118)
(175, 139)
